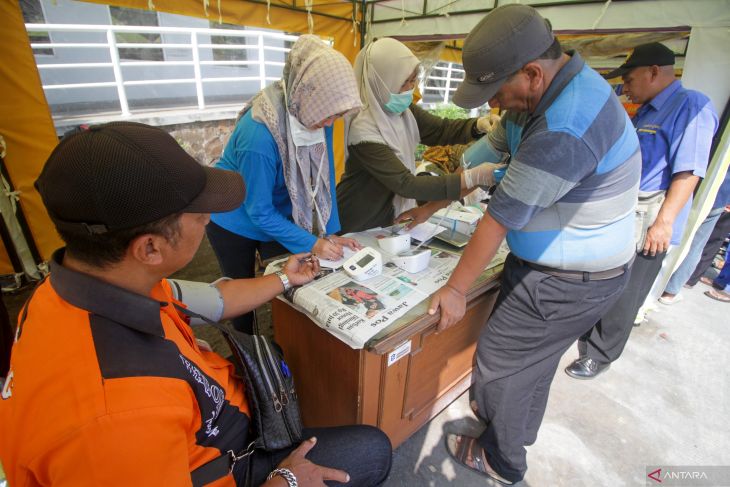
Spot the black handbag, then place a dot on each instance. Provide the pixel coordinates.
(272, 398)
(276, 420)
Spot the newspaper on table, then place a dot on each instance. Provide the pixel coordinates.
(356, 311)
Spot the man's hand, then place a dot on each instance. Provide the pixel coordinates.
(307, 473)
(452, 304)
(658, 237)
(659, 234)
(301, 268)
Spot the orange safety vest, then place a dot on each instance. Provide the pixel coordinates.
(109, 387)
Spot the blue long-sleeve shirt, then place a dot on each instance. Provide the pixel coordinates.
(265, 214)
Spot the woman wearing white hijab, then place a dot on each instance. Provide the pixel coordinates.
(379, 181)
(282, 146)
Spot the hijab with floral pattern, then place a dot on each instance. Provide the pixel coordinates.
(317, 83)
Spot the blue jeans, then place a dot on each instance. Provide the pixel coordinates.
(364, 452)
(723, 280)
(688, 265)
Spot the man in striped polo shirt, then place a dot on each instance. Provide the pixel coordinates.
(566, 206)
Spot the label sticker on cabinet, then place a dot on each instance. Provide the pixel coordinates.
(399, 352)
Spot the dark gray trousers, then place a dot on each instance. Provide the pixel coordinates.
(536, 318)
(605, 342)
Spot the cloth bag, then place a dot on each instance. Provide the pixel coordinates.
(647, 210)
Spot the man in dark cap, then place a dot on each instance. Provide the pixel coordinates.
(107, 383)
(675, 128)
(566, 206)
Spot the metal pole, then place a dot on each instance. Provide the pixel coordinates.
(363, 22)
(262, 63)
(114, 53)
(448, 83)
(196, 70)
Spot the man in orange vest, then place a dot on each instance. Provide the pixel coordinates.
(107, 383)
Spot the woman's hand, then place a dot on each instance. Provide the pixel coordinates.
(330, 248)
(417, 215)
(346, 242)
(301, 268)
(482, 175)
(308, 474)
(487, 123)
(325, 248)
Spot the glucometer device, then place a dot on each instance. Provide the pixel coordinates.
(365, 264)
(413, 261)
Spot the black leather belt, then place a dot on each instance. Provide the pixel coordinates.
(580, 275)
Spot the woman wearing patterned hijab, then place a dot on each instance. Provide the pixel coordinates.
(379, 181)
(282, 146)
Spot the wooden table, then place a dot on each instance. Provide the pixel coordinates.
(338, 385)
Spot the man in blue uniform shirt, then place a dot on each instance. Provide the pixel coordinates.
(675, 128)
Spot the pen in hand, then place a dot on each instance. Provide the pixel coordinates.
(309, 258)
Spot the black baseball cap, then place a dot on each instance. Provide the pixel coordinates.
(505, 40)
(122, 175)
(652, 54)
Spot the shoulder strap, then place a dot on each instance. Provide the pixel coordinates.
(213, 470)
(24, 310)
(217, 325)
(218, 467)
(193, 314)
(223, 465)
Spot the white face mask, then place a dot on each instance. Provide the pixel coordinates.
(301, 135)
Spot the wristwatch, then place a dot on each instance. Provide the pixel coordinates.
(286, 473)
(284, 280)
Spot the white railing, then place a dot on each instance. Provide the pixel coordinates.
(448, 73)
(450, 81)
(193, 34)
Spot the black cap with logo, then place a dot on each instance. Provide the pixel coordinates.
(505, 40)
(652, 54)
(122, 175)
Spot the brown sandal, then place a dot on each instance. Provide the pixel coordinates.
(466, 451)
(718, 295)
(707, 281)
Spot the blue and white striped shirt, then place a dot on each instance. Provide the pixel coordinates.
(569, 195)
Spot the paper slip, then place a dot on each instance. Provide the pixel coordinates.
(336, 264)
(423, 231)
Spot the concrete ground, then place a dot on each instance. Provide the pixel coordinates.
(665, 402)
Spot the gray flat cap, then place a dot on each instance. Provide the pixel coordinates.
(505, 40)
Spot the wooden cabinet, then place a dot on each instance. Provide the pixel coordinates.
(338, 385)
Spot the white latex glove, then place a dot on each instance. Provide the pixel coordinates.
(482, 175)
(487, 123)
